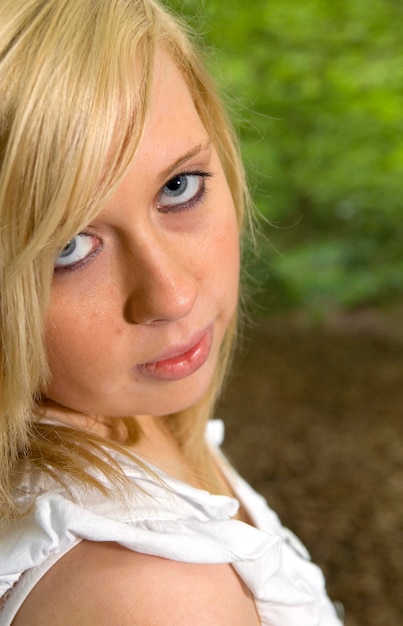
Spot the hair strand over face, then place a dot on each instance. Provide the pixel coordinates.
(75, 80)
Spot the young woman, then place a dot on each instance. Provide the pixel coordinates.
(122, 203)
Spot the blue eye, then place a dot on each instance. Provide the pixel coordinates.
(182, 191)
(78, 249)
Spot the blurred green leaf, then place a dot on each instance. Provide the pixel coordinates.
(317, 95)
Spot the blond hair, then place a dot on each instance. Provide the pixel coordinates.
(74, 94)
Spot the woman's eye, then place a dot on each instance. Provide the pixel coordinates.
(80, 248)
(182, 191)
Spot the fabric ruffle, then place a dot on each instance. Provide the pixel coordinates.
(178, 522)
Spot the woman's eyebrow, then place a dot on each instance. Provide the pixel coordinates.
(165, 174)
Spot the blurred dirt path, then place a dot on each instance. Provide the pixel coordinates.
(314, 421)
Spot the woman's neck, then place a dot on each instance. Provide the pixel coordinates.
(156, 445)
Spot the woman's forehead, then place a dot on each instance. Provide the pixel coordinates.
(173, 131)
(170, 93)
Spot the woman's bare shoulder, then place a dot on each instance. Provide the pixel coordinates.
(104, 584)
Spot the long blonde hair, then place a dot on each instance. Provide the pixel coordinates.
(74, 94)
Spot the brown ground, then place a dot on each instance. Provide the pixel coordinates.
(313, 418)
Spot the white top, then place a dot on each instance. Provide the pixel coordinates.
(173, 520)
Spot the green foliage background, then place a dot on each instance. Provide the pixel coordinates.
(316, 90)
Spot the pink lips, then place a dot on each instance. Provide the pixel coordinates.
(180, 361)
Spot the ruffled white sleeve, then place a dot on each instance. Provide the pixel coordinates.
(167, 518)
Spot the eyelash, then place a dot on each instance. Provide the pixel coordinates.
(164, 209)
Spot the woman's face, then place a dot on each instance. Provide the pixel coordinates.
(142, 298)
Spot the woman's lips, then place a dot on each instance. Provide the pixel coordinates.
(180, 361)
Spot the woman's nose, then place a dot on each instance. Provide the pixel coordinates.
(162, 287)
